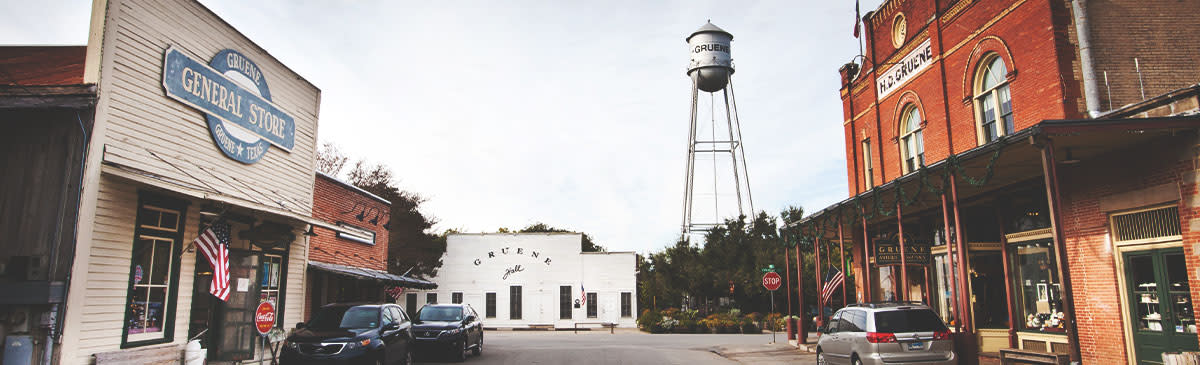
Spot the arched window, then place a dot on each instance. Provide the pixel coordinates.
(912, 146)
(993, 103)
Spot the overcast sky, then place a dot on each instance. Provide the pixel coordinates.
(570, 113)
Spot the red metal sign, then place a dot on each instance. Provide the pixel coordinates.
(772, 281)
(264, 317)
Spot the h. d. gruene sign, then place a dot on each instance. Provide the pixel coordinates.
(889, 253)
(233, 93)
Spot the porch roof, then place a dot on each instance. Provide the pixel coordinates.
(370, 274)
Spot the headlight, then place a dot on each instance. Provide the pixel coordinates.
(452, 332)
(356, 344)
(290, 345)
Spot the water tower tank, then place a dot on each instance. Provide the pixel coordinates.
(711, 62)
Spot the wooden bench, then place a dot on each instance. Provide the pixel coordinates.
(1018, 356)
(165, 354)
(608, 325)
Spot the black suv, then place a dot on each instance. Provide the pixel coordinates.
(352, 334)
(449, 327)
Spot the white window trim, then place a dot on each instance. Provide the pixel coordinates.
(980, 94)
(868, 166)
(356, 234)
(905, 133)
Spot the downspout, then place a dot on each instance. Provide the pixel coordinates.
(1091, 91)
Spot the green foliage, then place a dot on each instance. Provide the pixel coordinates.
(588, 244)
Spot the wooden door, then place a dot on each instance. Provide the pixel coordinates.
(1160, 304)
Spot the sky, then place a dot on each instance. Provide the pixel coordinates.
(570, 113)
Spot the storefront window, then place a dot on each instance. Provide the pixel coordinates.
(987, 289)
(270, 278)
(943, 292)
(1037, 289)
(153, 274)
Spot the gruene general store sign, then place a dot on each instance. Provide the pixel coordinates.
(888, 253)
(232, 92)
(908, 67)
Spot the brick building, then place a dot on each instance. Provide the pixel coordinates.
(991, 132)
(350, 264)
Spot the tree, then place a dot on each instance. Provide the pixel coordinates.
(412, 248)
(587, 246)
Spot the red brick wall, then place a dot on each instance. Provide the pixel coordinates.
(333, 203)
(1089, 251)
(1029, 34)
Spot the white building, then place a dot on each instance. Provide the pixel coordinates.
(534, 280)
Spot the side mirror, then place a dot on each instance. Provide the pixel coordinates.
(391, 326)
(469, 319)
(300, 325)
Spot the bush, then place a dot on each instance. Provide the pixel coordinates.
(775, 322)
(649, 320)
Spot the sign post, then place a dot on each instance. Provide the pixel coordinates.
(264, 321)
(771, 281)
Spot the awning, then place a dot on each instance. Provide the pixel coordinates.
(370, 274)
(136, 164)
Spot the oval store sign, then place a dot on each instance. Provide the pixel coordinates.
(264, 318)
(231, 90)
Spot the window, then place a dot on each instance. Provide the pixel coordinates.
(868, 168)
(852, 321)
(564, 302)
(514, 302)
(153, 272)
(993, 103)
(1038, 303)
(591, 305)
(410, 303)
(456, 298)
(912, 146)
(271, 274)
(626, 304)
(356, 234)
(430, 298)
(490, 306)
(389, 316)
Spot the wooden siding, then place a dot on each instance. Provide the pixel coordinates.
(140, 117)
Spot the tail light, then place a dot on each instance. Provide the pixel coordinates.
(941, 335)
(879, 337)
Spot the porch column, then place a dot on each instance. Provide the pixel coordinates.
(902, 287)
(842, 258)
(950, 255)
(866, 265)
(1051, 174)
(787, 271)
(819, 280)
(803, 333)
(963, 296)
(1008, 296)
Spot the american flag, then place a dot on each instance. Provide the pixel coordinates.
(857, 19)
(395, 291)
(582, 293)
(214, 244)
(834, 279)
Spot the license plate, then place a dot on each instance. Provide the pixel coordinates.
(916, 345)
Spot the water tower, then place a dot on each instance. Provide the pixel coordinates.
(711, 71)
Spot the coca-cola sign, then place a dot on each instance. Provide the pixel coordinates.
(264, 317)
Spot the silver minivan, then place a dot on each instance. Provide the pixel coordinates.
(885, 333)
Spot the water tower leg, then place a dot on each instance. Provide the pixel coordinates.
(691, 162)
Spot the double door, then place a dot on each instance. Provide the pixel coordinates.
(1160, 303)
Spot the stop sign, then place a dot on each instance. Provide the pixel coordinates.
(772, 281)
(264, 317)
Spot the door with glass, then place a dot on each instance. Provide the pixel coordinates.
(1160, 304)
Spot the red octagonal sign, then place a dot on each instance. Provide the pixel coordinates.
(264, 317)
(772, 281)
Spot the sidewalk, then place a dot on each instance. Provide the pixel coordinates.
(811, 346)
(780, 352)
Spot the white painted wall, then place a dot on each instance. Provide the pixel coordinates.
(475, 264)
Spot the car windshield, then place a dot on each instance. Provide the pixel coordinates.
(918, 320)
(329, 318)
(440, 314)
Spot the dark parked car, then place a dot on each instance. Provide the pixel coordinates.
(352, 334)
(448, 327)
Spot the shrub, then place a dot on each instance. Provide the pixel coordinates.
(649, 320)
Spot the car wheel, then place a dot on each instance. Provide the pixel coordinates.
(478, 347)
(461, 354)
(857, 361)
(821, 358)
(408, 358)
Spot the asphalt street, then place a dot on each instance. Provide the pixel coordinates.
(628, 347)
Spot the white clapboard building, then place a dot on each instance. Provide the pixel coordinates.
(534, 280)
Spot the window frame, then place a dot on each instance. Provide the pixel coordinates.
(565, 297)
(516, 303)
(489, 304)
(868, 165)
(626, 304)
(593, 308)
(456, 297)
(159, 203)
(917, 142)
(429, 296)
(993, 93)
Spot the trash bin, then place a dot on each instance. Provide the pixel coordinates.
(193, 353)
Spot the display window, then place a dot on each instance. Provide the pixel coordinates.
(153, 272)
(1037, 290)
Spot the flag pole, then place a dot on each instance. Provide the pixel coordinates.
(203, 227)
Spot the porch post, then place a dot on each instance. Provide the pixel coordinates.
(842, 258)
(902, 287)
(1008, 296)
(819, 280)
(951, 259)
(963, 295)
(1051, 173)
(866, 264)
(787, 271)
(803, 333)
